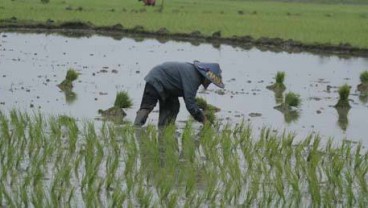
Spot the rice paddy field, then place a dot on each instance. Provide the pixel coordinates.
(55, 162)
(57, 151)
(314, 21)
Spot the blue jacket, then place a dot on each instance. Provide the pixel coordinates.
(175, 79)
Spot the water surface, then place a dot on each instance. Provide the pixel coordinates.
(31, 66)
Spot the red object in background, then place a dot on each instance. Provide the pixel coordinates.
(149, 2)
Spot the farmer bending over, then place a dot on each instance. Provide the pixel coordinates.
(169, 81)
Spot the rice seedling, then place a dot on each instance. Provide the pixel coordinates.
(123, 100)
(292, 99)
(363, 86)
(117, 113)
(279, 85)
(228, 167)
(144, 198)
(208, 109)
(289, 107)
(364, 77)
(67, 83)
(344, 92)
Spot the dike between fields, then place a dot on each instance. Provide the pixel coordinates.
(78, 29)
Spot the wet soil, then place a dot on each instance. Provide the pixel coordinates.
(75, 29)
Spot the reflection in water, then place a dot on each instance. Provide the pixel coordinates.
(278, 91)
(70, 96)
(279, 96)
(245, 69)
(291, 116)
(363, 98)
(343, 120)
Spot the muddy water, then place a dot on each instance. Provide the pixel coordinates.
(31, 66)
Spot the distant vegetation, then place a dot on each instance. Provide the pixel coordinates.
(321, 1)
(308, 21)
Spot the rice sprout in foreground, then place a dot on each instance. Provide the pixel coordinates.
(56, 161)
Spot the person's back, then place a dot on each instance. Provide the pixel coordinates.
(174, 79)
(170, 80)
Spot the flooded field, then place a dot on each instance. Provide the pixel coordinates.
(32, 65)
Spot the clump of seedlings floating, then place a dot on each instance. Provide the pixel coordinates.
(67, 83)
(343, 106)
(278, 87)
(208, 109)
(117, 112)
(57, 162)
(279, 82)
(363, 87)
(290, 106)
(344, 92)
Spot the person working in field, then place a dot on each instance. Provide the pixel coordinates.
(167, 82)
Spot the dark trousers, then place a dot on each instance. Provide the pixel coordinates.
(169, 108)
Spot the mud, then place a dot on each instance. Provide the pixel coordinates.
(75, 29)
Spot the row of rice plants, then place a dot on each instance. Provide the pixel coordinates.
(58, 162)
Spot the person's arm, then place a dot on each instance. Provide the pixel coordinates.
(190, 104)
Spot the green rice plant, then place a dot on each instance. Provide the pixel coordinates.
(71, 75)
(252, 194)
(173, 200)
(188, 145)
(349, 189)
(361, 174)
(123, 100)
(71, 196)
(269, 170)
(67, 83)
(208, 109)
(118, 195)
(144, 197)
(203, 104)
(344, 92)
(112, 165)
(364, 77)
(280, 77)
(190, 181)
(292, 99)
(314, 188)
(278, 87)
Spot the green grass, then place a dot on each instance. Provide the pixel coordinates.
(57, 162)
(306, 22)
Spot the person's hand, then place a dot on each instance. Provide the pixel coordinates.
(205, 120)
